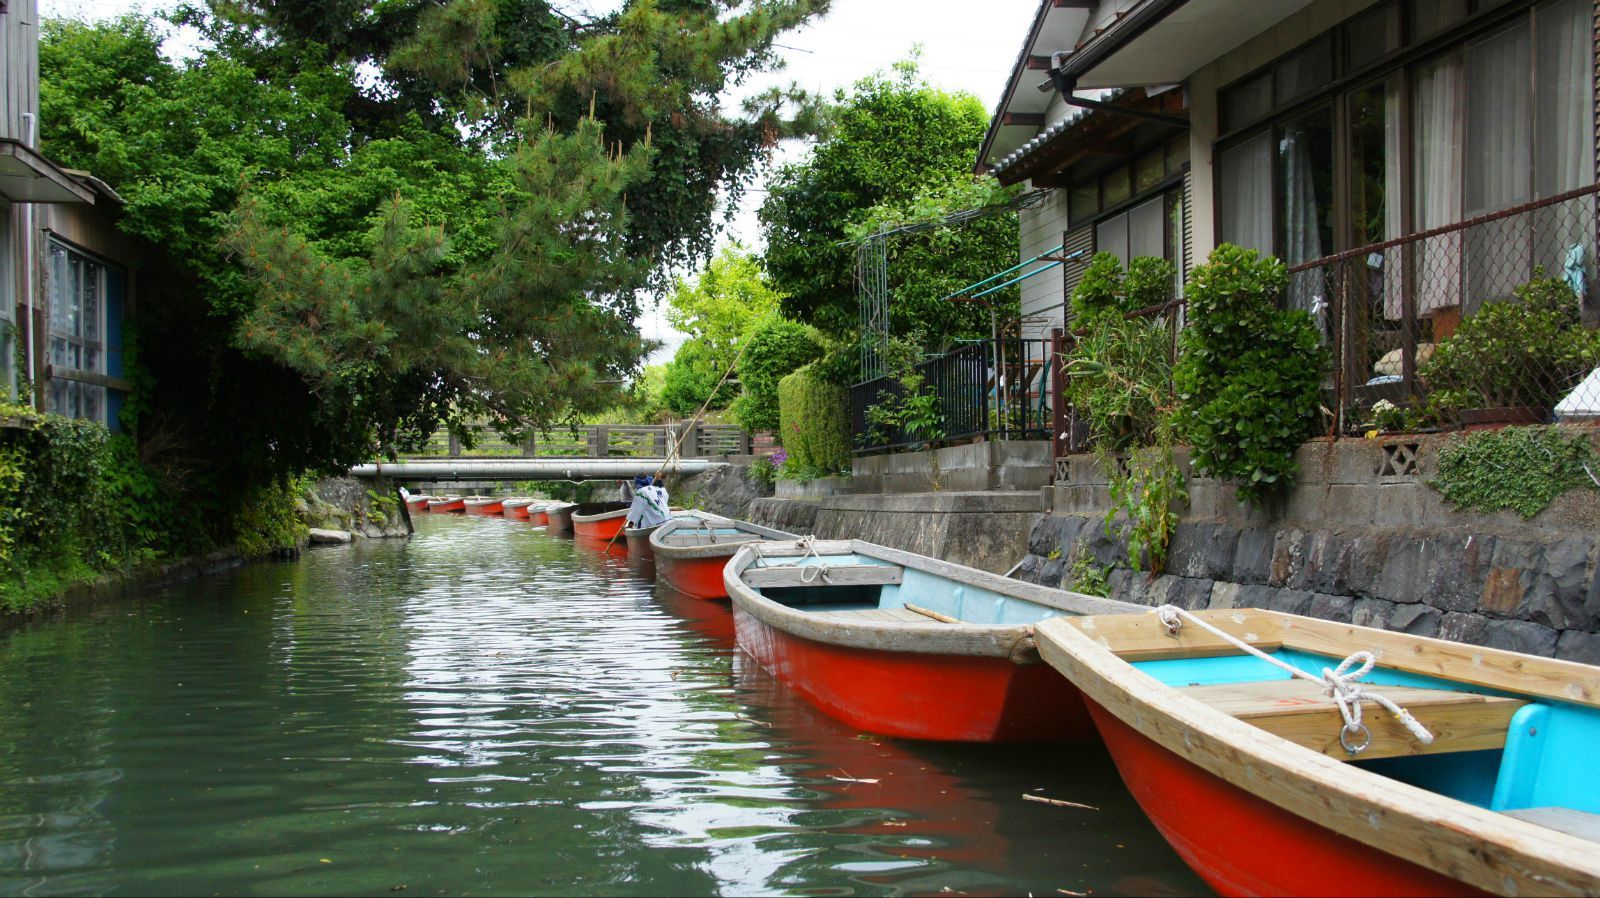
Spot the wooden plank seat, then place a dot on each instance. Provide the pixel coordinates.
(889, 615)
(823, 575)
(1571, 821)
(1299, 711)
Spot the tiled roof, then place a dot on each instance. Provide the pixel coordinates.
(1075, 114)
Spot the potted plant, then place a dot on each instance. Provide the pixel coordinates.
(1508, 363)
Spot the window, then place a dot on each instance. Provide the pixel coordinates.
(76, 334)
(1140, 231)
(8, 305)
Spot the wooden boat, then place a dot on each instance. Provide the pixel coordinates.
(599, 520)
(690, 554)
(1256, 778)
(418, 503)
(903, 645)
(539, 513)
(558, 517)
(447, 503)
(483, 505)
(639, 537)
(516, 508)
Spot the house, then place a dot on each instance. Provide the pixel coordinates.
(1408, 159)
(66, 284)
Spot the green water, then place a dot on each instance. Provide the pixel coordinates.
(488, 710)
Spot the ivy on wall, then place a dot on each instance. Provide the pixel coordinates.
(1522, 469)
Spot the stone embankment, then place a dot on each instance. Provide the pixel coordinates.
(1361, 539)
(339, 509)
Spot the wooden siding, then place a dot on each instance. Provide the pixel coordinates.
(1040, 229)
(19, 57)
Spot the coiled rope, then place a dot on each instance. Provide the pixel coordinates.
(1339, 683)
(809, 573)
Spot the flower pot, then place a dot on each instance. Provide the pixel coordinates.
(1502, 415)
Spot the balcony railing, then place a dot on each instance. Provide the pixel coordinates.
(989, 389)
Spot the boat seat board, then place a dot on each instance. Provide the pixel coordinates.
(1573, 822)
(889, 615)
(1301, 712)
(822, 575)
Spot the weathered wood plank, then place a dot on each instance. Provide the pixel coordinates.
(1303, 713)
(822, 575)
(1142, 637)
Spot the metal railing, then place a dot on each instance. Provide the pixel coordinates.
(989, 389)
(1405, 322)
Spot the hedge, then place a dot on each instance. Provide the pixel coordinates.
(814, 424)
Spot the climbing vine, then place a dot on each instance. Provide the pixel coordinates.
(1518, 468)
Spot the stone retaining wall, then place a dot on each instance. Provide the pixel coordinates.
(1361, 539)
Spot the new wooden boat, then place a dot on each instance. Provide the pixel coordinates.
(483, 505)
(516, 508)
(418, 503)
(599, 520)
(1262, 785)
(903, 645)
(691, 553)
(558, 517)
(447, 503)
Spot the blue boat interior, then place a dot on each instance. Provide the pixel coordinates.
(1548, 760)
(963, 601)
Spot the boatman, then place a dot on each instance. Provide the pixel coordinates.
(649, 507)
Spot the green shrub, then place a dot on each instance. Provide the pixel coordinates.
(776, 348)
(814, 423)
(1514, 353)
(691, 376)
(265, 521)
(1518, 468)
(1249, 373)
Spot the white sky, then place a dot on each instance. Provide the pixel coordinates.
(965, 46)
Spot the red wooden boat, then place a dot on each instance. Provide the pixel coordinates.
(539, 513)
(517, 508)
(904, 645)
(691, 553)
(558, 517)
(600, 520)
(1245, 767)
(483, 505)
(418, 503)
(447, 503)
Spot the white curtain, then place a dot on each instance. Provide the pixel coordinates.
(1393, 204)
(1436, 282)
(1499, 163)
(1564, 139)
(1246, 192)
(1302, 232)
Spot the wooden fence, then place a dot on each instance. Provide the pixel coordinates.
(605, 441)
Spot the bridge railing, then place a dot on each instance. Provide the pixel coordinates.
(604, 441)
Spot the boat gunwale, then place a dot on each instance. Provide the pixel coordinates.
(1014, 641)
(1479, 847)
(713, 550)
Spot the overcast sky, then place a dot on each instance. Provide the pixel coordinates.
(965, 46)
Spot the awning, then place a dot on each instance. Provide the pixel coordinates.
(27, 177)
(1165, 41)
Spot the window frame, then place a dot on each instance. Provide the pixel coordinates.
(102, 344)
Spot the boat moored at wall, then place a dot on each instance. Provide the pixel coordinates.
(1447, 769)
(417, 503)
(483, 505)
(516, 508)
(903, 645)
(447, 503)
(599, 520)
(558, 517)
(691, 553)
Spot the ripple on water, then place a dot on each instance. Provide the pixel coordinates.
(487, 709)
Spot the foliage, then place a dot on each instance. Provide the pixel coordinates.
(1147, 492)
(1522, 352)
(1088, 577)
(907, 409)
(814, 418)
(775, 348)
(406, 168)
(892, 139)
(266, 521)
(691, 377)
(726, 300)
(1518, 468)
(1121, 368)
(1391, 418)
(764, 470)
(1249, 373)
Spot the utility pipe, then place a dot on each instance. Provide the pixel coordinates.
(27, 274)
(533, 469)
(991, 277)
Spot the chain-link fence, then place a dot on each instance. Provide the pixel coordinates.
(1488, 321)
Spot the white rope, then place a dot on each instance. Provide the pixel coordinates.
(808, 573)
(1339, 683)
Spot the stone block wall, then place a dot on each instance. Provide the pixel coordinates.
(1362, 539)
(990, 465)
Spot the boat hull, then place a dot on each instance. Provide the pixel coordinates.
(417, 504)
(453, 505)
(540, 518)
(602, 527)
(1244, 845)
(559, 520)
(914, 695)
(520, 512)
(700, 578)
(485, 507)
(639, 541)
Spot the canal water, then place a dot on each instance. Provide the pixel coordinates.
(489, 710)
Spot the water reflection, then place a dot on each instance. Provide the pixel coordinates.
(489, 710)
